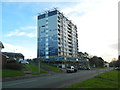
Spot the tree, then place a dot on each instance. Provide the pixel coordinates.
(97, 61)
(115, 62)
(84, 55)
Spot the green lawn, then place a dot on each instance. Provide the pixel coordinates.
(108, 79)
(12, 73)
(55, 69)
(0, 72)
(111, 75)
(34, 69)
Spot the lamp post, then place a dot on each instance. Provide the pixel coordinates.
(38, 65)
(77, 62)
(38, 47)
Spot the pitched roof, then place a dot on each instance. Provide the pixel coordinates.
(1, 45)
(13, 54)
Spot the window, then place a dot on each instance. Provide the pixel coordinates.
(46, 31)
(46, 26)
(47, 56)
(46, 35)
(41, 16)
(46, 48)
(46, 39)
(46, 52)
(46, 43)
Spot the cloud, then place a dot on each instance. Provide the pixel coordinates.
(40, 0)
(97, 26)
(29, 28)
(28, 53)
(114, 46)
(31, 35)
(28, 31)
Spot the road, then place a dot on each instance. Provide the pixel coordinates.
(61, 80)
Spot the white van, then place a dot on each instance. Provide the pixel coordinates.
(71, 69)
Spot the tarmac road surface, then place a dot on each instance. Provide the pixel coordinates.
(61, 80)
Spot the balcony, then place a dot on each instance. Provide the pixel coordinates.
(69, 39)
(70, 43)
(58, 34)
(59, 38)
(70, 53)
(75, 27)
(59, 30)
(69, 32)
(76, 35)
(69, 35)
(70, 46)
(58, 26)
(58, 21)
(70, 24)
(58, 17)
(69, 28)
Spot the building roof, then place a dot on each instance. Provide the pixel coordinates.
(1, 45)
(13, 54)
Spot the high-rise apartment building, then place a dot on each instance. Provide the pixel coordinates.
(57, 36)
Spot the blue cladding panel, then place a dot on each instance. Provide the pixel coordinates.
(42, 46)
(53, 48)
(52, 13)
(41, 16)
(52, 44)
(50, 33)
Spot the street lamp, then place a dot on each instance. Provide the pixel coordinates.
(38, 65)
(77, 63)
(38, 47)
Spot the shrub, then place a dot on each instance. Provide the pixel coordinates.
(11, 61)
(15, 66)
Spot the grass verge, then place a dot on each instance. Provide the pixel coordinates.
(0, 72)
(12, 73)
(108, 79)
(53, 68)
(34, 69)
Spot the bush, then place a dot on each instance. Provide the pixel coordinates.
(11, 61)
(15, 66)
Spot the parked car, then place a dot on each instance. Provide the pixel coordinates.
(23, 61)
(117, 68)
(81, 68)
(71, 69)
(87, 68)
(84, 68)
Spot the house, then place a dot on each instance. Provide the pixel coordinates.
(7, 56)
(106, 64)
(13, 56)
(1, 46)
